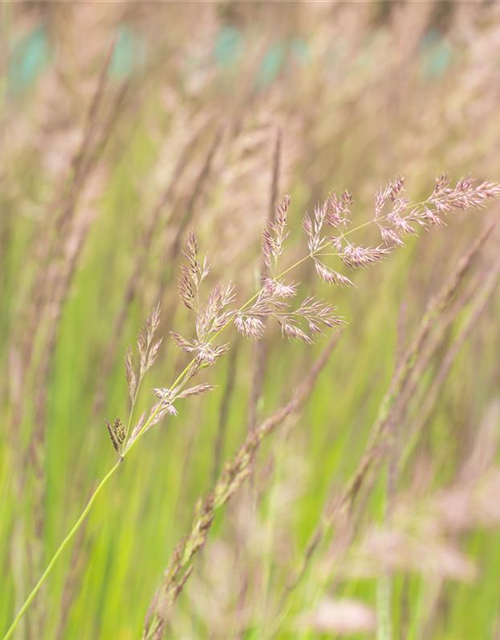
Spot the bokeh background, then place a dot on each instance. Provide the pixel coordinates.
(122, 125)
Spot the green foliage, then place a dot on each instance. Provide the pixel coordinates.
(345, 124)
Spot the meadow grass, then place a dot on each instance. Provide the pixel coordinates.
(102, 177)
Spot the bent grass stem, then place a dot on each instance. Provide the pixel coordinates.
(178, 384)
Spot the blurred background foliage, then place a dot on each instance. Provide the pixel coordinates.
(185, 123)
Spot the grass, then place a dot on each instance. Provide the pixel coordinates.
(103, 586)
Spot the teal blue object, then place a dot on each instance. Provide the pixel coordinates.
(228, 46)
(129, 54)
(437, 55)
(430, 39)
(271, 65)
(29, 57)
(300, 50)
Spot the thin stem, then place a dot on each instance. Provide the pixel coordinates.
(60, 549)
(324, 255)
(132, 407)
(376, 220)
(75, 528)
(384, 594)
(178, 384)
(361, 226)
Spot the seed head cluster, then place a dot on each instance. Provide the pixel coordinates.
(333, 252)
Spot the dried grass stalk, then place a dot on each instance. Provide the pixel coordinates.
(341, 510)
(232, 478)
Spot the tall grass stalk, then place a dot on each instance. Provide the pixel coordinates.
(178, 383)
(424, 344)
(235, 472)
(395, 217)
